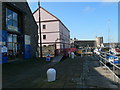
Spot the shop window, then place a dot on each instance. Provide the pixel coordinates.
(44, 36)
(14, 38)
(11, 20)
(9, 37)
(15, 24)
(14, 46)
(9, 13)
(15, 16)
(44, 26)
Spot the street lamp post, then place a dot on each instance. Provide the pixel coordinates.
(40, 29)
(109, 33)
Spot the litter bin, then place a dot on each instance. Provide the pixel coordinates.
(51, 74)
(48, 58)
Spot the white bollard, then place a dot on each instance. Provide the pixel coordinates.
(81, 54)
(36, 55)
(72, 54)
(69, 54)
(51, 74)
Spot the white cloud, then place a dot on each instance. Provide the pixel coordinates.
(88, 9)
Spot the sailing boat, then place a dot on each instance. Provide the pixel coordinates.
(114, 55)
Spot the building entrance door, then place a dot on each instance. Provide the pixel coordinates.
(14, 46)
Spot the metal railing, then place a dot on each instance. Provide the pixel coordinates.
(114, 69)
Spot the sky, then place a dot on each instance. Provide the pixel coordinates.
(85, 20)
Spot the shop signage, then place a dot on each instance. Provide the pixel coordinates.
(12, 28)
(4, 49)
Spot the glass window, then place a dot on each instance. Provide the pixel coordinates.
(10, 45)
(11, 20)
(14, 38)
(9, 37)
(15, 16)
(14, 46)
(44, 36)
(8, 13)
(15, 24)
(44, 26)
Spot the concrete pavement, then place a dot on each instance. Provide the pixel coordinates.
(94, 76)
(57, 58)
(80, 72)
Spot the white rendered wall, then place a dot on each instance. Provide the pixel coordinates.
(51, 31)
(54, 29)
(65, 35)
(44, 15)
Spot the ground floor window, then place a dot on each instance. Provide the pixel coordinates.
(14, 46)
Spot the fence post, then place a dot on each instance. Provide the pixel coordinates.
(100, 62)
(118, 74)
(113, 74)
(105, 67)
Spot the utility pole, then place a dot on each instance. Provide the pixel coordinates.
(40, 29)
(108, 33)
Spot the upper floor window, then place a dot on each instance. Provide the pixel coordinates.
(44, 26)
(11, 20)
(44, 36)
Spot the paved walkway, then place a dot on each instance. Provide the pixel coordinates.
(32, 74)
(57, 58)
(80, 72)
(94, 76)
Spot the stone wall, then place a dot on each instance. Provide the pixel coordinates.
(85, 43)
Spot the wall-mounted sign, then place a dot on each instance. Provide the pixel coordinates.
(12, 28)
(4, 49)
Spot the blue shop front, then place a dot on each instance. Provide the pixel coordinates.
(15, 44)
